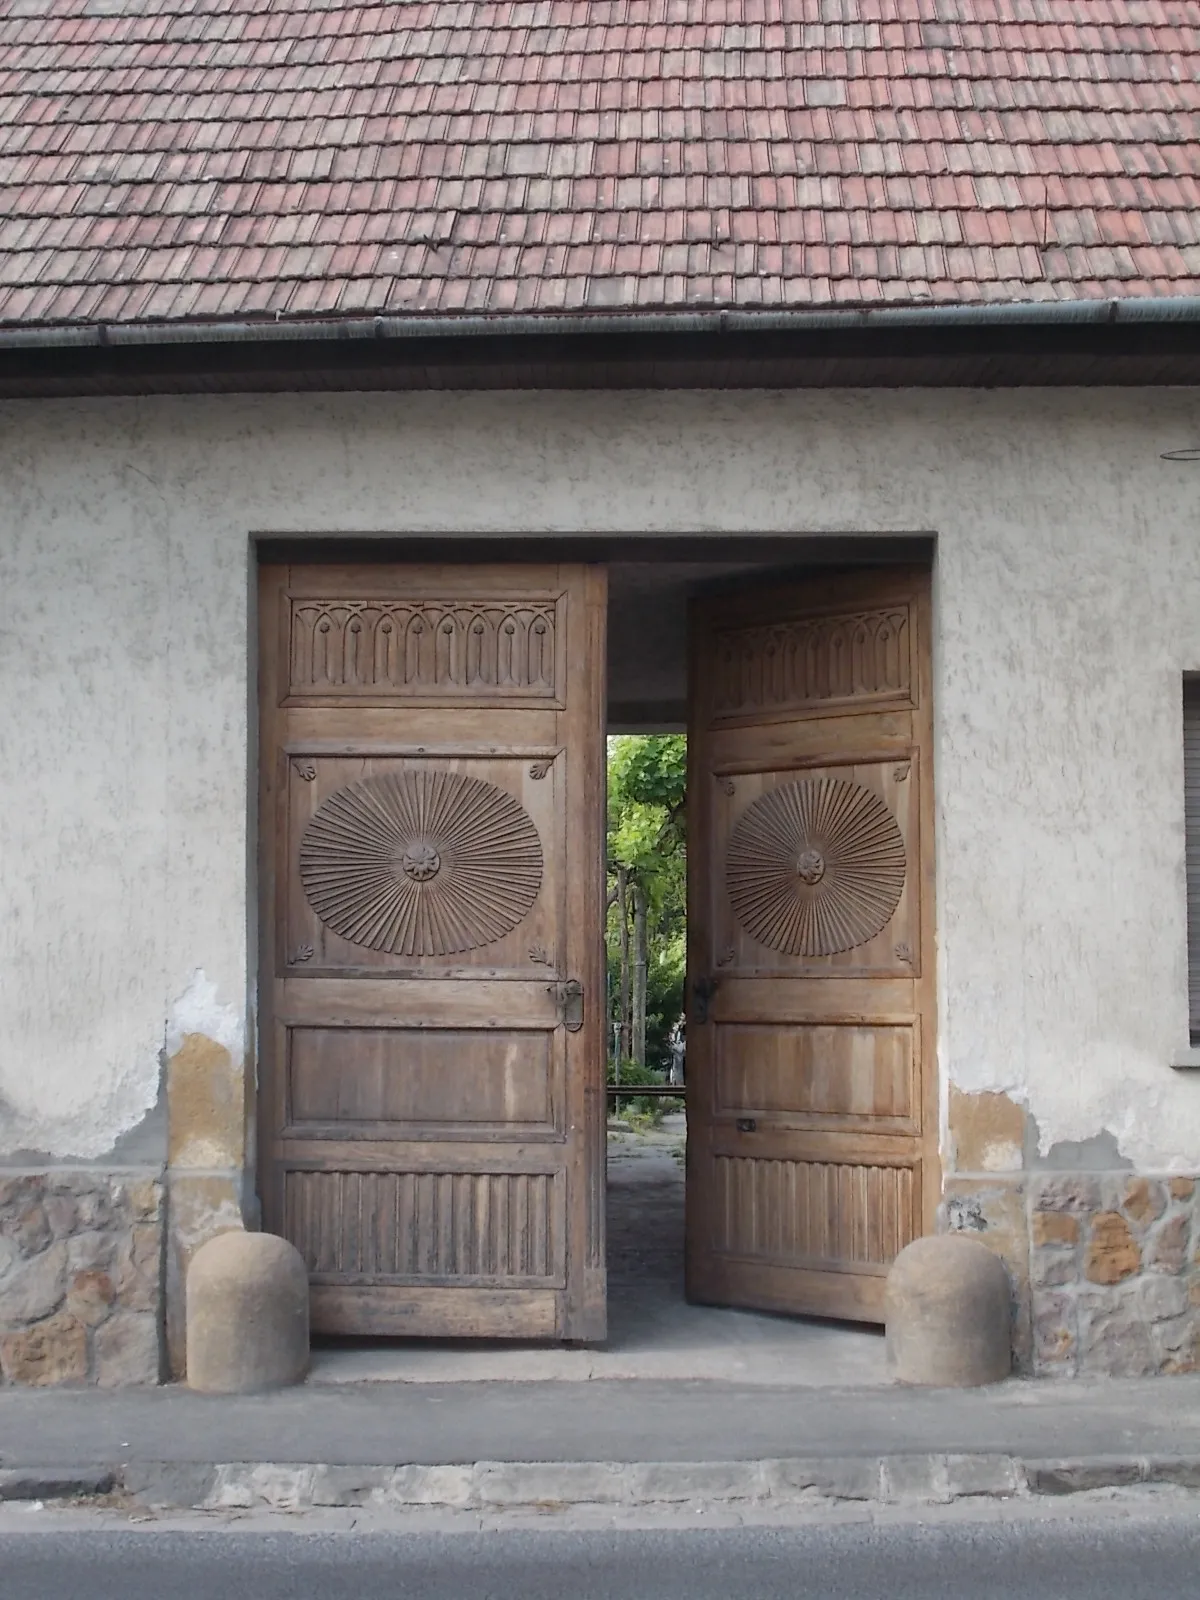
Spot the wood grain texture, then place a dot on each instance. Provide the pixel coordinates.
(430, 1132)
(812, 1105)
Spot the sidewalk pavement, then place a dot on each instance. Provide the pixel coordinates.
(493, 1445)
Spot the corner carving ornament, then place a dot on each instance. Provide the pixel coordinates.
(815, 867)
(428, 863)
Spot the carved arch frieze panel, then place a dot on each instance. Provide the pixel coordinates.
(814, 662)
(494, 649)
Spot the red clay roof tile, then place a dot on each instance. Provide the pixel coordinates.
(169, 159)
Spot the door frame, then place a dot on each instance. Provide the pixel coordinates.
(768, 551)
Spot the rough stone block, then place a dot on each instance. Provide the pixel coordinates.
(1112, 1251)
(1051, 1269)
(128, 1350)
(83, 1250)
(1161, 1297)
(1182, 1188)
(90, 1295)
(1114, 1336)
(62, 1215)
(138, 1271)
(1145, 1199)
(97, 1205)
(1167, 1248)
(947, 1310)
(1054, 1341)
(1077, 1192)
(247, 1314)
(36, 1288)
(53, 1351)
(92, 1250)
(1054, 1228)
(31, 1229)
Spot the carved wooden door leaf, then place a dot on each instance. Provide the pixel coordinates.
(432, 1106)
(811, 1105)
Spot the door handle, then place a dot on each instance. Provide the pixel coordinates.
(568, 997)
(747, 1125)
(702, 992)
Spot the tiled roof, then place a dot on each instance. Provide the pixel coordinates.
(180, 159)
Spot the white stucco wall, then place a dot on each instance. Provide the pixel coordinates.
(1067, 604)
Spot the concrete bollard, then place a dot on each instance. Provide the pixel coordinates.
(247, 1314)
(948, 1314)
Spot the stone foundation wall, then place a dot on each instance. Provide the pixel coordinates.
(1114, 1273)
(81, 1271)
(1105, 1268)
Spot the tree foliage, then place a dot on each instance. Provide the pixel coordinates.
(647, 795)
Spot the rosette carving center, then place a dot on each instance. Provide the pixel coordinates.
(810, 865)
(421, 861)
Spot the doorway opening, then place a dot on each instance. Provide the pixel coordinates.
(653, 1329)
(434, 1147)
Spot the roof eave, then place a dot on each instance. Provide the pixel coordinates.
(1142, 340)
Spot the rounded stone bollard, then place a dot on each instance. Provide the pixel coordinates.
(947, 1313)
(247, 1314)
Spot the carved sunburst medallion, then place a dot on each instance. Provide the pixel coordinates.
(427, 863)
(815, 867)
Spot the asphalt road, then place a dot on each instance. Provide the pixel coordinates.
(1156, 1557)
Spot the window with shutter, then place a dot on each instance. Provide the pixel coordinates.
(1191, 812)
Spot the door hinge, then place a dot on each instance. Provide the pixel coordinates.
(702, 992)
(568, 997)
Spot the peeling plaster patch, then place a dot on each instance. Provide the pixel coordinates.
(964, 1214)
(987, 1132)
(96, 1125)
(206, 1099)
(198, 1010)
(1101, 1153)
(143, 1145)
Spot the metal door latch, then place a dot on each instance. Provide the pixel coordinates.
(702, 992)
(747, 1125)
(568, 996)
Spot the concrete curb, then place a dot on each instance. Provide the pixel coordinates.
(494, 1486)
(55, 1483)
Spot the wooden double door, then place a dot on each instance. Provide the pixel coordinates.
(432, 1076)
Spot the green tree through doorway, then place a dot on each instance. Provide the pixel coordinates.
(647, 901)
